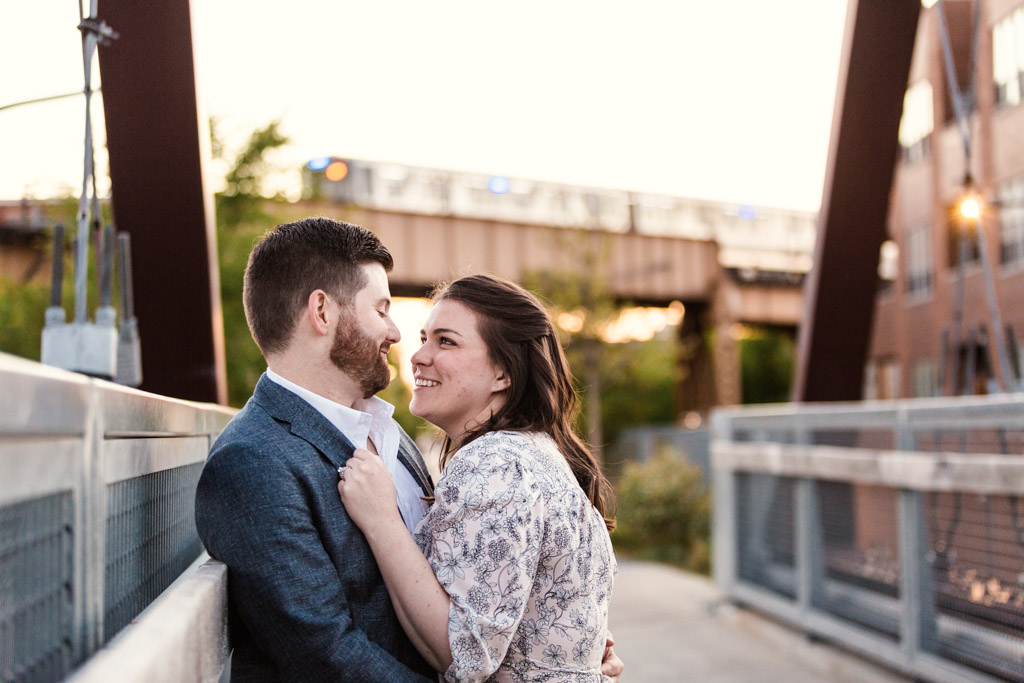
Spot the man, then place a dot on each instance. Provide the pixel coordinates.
(306, 599)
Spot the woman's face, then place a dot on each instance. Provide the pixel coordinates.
(457, 387)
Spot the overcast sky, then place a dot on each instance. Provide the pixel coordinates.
(727, 100)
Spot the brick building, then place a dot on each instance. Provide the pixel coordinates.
(912, 351)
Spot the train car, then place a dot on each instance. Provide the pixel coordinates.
(749, 238)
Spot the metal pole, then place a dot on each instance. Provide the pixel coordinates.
(57, 276)
(958, 312)
(82, 254)
(993, 310)
(726, 547)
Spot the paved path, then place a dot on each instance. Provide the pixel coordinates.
(673, 626)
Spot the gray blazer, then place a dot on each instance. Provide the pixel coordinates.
(306, 600)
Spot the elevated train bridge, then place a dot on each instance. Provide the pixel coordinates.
(633, 268)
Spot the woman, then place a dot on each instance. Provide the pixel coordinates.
(511, 571)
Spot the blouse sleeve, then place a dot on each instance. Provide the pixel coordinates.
(482, 538)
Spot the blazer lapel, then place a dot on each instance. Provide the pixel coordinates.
(305, 421)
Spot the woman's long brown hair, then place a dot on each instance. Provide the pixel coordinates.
(540, 398)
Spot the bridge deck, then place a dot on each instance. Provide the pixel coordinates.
(673, 626)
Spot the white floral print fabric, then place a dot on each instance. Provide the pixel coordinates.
(526, 560)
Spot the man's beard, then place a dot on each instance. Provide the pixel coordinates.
(359, 357)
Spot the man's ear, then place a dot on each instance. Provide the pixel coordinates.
(318, 311)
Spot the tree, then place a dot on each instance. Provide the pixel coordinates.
(624, 384)
(639, 381)
(241, 219)
(242, 198)
(22, 306)
(767, 362)
(580, 300)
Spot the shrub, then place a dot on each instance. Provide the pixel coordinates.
(664, 512)
(22, 311)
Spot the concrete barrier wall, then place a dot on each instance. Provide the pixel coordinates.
(97, 486)
(182, 636)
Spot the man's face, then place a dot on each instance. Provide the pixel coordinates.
(366, 332)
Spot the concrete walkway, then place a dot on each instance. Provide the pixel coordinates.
(670, 625)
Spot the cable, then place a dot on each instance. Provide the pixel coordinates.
(94, 32)
(37, 100)
(963, 104)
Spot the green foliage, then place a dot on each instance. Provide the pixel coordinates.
(22, 307)
(767, 362)
(241, 200)
(23, 303)
(664, 513)
(635, 381)
(243, 361)
(243, 215)
(638, 384)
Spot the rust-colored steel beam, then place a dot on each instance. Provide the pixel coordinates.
(158, 149)
(839, 295)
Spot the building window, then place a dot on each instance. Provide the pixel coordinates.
(881, 379)
(888, 265)
(1011, 223)
(1008, 58)
(889, 378)
(920, 274)
(917, 122)
(925, 379)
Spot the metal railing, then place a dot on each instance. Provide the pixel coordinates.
(97, 487)
(640, 444)
(895, 529)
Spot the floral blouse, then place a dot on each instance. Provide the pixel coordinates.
(526, 560)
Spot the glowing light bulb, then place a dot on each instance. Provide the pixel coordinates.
(970, 208)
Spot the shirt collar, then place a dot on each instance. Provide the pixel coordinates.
(353, 423)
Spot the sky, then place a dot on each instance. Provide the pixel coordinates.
(724, 100)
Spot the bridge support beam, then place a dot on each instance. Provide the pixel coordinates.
(158, 145)
(728, 378)
(840, 290)
(695, 392)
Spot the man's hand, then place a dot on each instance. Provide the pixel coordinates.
(611, 665)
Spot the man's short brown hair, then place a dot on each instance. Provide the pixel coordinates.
(293, 260)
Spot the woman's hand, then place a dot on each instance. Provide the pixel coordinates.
(422, 605)
(368, 491)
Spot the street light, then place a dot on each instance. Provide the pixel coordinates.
(970, 207)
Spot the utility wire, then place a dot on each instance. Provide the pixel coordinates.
(45, 99)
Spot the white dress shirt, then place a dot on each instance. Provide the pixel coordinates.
(371, 419)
